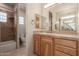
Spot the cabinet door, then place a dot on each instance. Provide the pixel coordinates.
(43, 44)
(49, 50)
(37, 44)
(46, 46)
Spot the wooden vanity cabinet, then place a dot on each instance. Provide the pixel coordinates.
(46, 46)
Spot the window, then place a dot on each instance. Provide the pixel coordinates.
(3, 17)
(21, 20)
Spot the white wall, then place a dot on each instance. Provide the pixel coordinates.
(31, 10)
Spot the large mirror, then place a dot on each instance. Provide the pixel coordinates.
(66, 17)
(66, 21)
(60, 17)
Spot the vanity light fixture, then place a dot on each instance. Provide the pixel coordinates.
(67, 17)
(51, 4)
(69, 21)
(48, 5)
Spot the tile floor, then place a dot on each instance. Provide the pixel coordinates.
(17, 52)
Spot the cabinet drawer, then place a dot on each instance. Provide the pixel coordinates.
(47, 39)
(70, 51)
(69, 43)
(36, 37)
(58, 53)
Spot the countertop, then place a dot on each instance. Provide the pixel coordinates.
(58, 35)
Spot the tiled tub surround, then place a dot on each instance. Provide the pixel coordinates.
(7, 29)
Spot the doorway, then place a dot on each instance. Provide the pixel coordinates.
(22, 23)
(7, 27)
